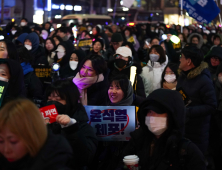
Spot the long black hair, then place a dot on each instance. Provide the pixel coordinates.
(98, 63)
(53, 43)
(11, 48)
(174, 67)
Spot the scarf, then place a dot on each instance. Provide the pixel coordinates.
(85, 82)
(171, 86)
(128, 100)
(27, 68)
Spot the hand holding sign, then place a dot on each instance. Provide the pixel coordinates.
(63, 119)
(49, 112)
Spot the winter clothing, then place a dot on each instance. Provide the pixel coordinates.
(66, 71)
(138, 87)
(68, 52)
(37, 51)
(34, 87)
(16, 87)
(109, 54)
(151, 75)
(215, 52)
(27, 68)
(164, 153)
(171, 86)
(128, 100)
(55, 154)
(200, 39)
(198, 86)
(83, 83)
(116, 37)
(133, 39)
(80, 136)
(22, 38)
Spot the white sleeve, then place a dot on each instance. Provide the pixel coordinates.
(72, 121)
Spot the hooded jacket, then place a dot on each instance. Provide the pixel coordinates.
(55, 154)
(166, 150)
(68, 52)
(151, 76)
(215, 52)
(37, 51)
(200, 39)
(16, 87)
(66, 71)
(22, 38)
(198, 86)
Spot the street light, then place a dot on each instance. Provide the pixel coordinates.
(125, 9)
(77, 8)
(69, 7)
(62, 7)
(121, 2)
(110, 10)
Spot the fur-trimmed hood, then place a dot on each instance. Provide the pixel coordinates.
(196, 71)
(200, 41)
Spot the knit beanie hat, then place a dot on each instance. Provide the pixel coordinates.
(117, 37)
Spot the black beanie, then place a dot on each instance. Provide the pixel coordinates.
(99, 40)
(116, 37)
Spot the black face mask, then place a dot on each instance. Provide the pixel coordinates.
(120, 63)
(60, 107)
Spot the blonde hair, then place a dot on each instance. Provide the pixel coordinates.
(24, 119)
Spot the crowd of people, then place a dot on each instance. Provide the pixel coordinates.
(176, 88)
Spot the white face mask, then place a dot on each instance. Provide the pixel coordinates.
(3, 79)
(156, 125)
(170, 78)
(13, 32)
(73, 64)
(60, 54)
(220, 79)
(29, 47)
(23, 23)
(154, 57)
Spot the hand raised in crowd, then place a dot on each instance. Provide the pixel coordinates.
(63, 119)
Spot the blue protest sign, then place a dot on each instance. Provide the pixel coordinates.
(202, 10)
(112, 123)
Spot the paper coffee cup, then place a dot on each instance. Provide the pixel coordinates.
(131, 161)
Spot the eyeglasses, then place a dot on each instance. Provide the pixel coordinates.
(215, 59)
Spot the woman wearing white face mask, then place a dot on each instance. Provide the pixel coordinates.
(159, 141)
(151, 74)
(63, 53)
(169, 77)
(70, 69)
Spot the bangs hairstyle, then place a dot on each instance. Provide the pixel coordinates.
(160, 51)
(122, 82)
(11, 48)
(66, 90)
(24, 119)
(98, 63)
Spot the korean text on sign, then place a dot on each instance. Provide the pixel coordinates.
(112, 123)
(49, 112)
